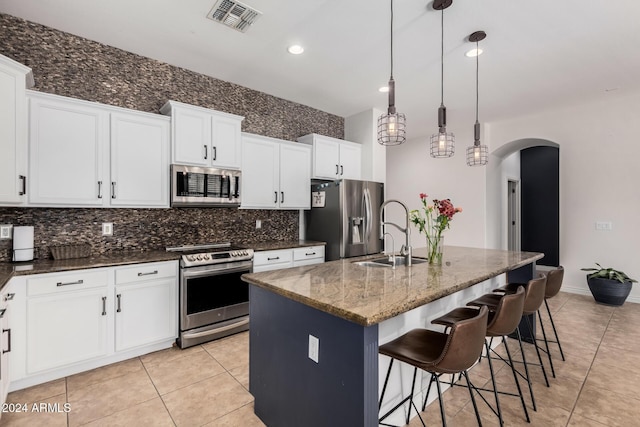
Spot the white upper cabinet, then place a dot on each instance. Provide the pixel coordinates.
(204, 137)
(87, 154)
(334, 158)
(14, 79)
(275, 173)
(139, 160)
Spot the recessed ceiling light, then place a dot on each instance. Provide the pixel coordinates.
(473, 53)
(384, 89)
(295, 49)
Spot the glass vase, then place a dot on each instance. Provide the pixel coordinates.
(434, 249)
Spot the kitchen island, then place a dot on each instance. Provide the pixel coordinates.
(349, 309)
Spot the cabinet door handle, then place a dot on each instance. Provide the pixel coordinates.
(310, 253)
(99, 189)
(276, 198)
(119, 309)
(341, 170)
(206, 152)
(9, 297)
(113, 189)
(2, 312)
(148, 273)
(77, 282)
(273, 258)
(24, 185)
(8, 331)
(104, 306)
(282, 197)
(337, 169)
(215, 153)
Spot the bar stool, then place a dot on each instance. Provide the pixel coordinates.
(502, 321)
(437, 353)
(554, 283)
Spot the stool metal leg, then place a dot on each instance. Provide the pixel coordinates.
(546, 344)
(493, 382)
(441, 400)
(473, 399)
(526, 370)
(554, 329)
(413, 386)
(424, 404)
(515, 377)
(386, 381)
(535, 345)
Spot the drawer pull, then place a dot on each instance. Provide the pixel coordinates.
(119, 309)
(274, 258)
(77, 282)
(310, 253)
(8, 331)
(99, 189)
(2, 312)
(104, 306)
(9, 297)
(148, 274)
(24, 185)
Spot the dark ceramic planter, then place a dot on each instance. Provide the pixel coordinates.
(609, 292)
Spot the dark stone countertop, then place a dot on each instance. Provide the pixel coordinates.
(288, 244)
(8, 270)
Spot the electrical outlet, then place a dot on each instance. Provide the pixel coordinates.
(5, 231)
(604, 225)
(258, 224)
(314, 348)
(107, 229)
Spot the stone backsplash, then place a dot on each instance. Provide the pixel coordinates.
(76, 67)
(146, 229)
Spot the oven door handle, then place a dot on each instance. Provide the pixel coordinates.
(187, 274)
(215, 331)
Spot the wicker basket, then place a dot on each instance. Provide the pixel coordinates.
(71, 251)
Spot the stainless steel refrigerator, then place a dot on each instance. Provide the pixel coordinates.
(346, 215)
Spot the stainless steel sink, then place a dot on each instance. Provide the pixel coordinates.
(385, 262)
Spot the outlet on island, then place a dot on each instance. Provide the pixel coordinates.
(5, 231)
(107, 229)
(258, 224)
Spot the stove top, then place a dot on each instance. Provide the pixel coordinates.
(214, 253)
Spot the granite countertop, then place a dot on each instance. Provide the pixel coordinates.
(275, 245)
(8, 270)
(370, 295)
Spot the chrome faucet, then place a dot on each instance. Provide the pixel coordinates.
(406, 249)
(392, 255)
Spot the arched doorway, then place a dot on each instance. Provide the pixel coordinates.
(523, 195)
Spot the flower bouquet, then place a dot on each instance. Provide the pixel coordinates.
(432, 220)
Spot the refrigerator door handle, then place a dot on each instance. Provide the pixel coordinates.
(367, 217)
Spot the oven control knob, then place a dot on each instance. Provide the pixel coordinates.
(199, 257)
(245, 253)
(190, 258)
(206, 257)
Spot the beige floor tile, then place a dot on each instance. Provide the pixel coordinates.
(240, 417)
(39, 392)
(607, 407)
(610, 356)
(206, 401)
(231, 351)
(580, 421)
(94, 376)
(616, 379)
(183, 371)
(53, 416)
(169, 354)
(105, 398)
(151, 413)
(621, 340)
(241, 374)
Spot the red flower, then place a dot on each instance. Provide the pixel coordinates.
(423, 196)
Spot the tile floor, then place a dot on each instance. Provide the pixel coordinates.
(207, 385)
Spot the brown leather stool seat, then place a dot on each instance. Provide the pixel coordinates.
(438, 353)
(554, 283)
(502, 320)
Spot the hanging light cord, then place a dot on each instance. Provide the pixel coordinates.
(477, 80)
(391, 39)
(442, 57)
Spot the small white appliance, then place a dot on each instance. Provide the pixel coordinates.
(23, 243)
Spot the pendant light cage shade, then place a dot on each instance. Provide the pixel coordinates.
(442, 144)
(391, 129)
(477, 155)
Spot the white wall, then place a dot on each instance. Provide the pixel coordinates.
(599, 155)
(362, 128)
(411, 171)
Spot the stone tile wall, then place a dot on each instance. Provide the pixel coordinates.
(72, 66)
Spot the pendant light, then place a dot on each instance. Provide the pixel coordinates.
(477, 154)
(391, 126)
(442, 143)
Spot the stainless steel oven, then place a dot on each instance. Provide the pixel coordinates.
(198, 186)
(214, 301)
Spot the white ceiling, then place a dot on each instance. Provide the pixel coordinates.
(538, 54)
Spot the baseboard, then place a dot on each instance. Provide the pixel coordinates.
(583, 291)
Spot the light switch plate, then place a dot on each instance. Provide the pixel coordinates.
(107, 229)
(314, 348)
(5, 231)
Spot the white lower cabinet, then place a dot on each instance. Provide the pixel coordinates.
(65, 323)
(5, 341)
(287, 258)
(146, 306)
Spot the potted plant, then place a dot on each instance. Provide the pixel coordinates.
(609, 286)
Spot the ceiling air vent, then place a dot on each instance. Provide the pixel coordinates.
(234, 14)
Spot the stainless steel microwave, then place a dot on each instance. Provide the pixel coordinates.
(201, 186)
